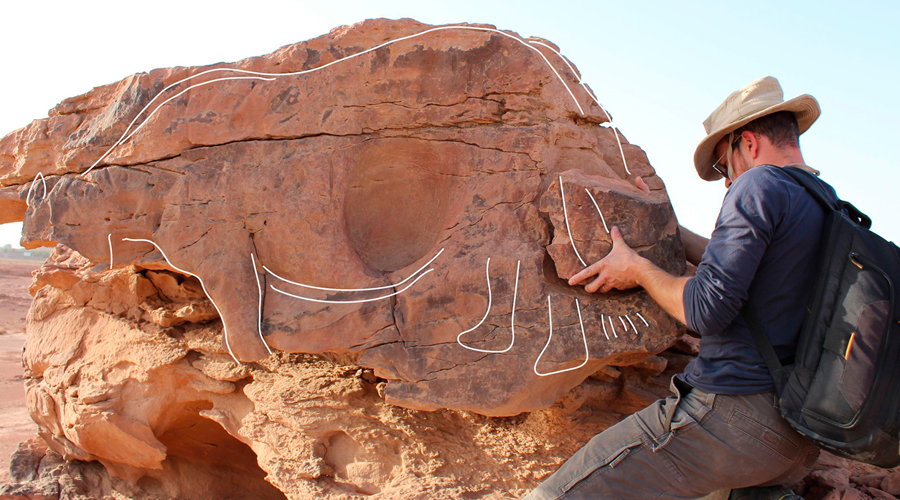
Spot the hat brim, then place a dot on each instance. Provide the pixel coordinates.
(805, 108)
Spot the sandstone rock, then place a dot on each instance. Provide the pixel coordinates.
(891, 483)
(654, 365)
(607, 373)
(827, 460)
(823, 493)
(166, 414)
(871, 480)
(34, 473)
(176, 350)
(853, 494)
(620, 203)
(687, 344)
(828, 476)
(25, 461)
(800, 487)
(675, 360)
(452, 144)
(877, 493)
(838, 479)
(36, 490)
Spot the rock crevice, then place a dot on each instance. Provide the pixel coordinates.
(342, 220)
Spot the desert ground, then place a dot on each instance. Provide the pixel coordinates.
(15, 424)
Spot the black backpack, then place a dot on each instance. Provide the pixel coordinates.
(843, 389)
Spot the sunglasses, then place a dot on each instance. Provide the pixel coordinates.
(717, 168)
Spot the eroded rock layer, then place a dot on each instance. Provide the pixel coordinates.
(169, 415)
(289, 266)
(449, 148)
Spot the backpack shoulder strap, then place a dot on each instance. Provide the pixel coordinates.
(813, 186)
(765, 347)
(816, 188)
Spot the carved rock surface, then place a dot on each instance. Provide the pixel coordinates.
(139, 411)
(440, 151)
(202, 315)
(349, 177)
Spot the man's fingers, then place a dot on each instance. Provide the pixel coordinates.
(603, 284)
(584, 273)
(617, 238)
(642, 185)
(578, 278)
(593, 286)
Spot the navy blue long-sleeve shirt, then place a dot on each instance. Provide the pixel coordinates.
(765, 247)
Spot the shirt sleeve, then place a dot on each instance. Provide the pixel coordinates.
(753, 207)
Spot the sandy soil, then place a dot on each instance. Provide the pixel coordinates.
(15, 424)
(15, 276)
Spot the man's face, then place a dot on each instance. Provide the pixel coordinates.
(737, 164)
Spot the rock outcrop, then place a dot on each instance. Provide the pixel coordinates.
(168, 414)
(257, 292)
(447, 149)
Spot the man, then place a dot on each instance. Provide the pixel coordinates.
(721, 429)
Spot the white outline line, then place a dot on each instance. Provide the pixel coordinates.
(587, 354)
(584, 86)
(187, 89)
(224, 328)
(30, 188)
(123, 138)
(562, 196)
(611, 125)
(297, 73)
(598, 210)
(632, 324)
(642, 319)
(613, 326)
(565, 60)
(487, 272)
(512, 321)
(259, 316)
(351, 301)
(603, 323)
(109, 240)
(623, 324)
(395, 285)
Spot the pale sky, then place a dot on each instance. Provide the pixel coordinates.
(659, 68)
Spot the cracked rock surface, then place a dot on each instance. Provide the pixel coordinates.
(144, 411)
(434, 153)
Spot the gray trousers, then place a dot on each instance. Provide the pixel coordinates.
(685, 446)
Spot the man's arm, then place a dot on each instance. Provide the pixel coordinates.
(623, 268)
(694, 245)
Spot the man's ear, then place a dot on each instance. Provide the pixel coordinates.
(750, 143)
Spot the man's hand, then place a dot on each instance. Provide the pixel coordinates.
(621, 269)
(639, 182)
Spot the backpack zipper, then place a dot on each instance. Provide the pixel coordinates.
(861, 263)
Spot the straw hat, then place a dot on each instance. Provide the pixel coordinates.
(759, 98)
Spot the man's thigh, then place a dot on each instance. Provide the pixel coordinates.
(682, 448)
(743, 441)
(609, 458)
